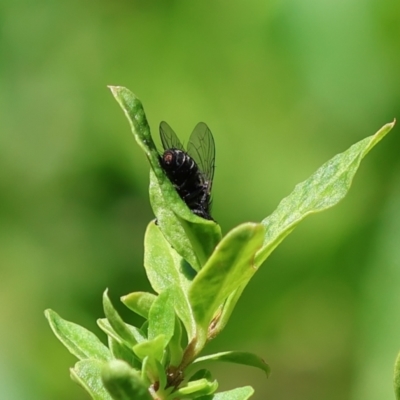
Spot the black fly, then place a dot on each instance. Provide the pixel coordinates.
(191, 171)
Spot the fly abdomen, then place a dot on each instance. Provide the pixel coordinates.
(191, 172)
(181, 170)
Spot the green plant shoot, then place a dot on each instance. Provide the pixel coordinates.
(197, 276)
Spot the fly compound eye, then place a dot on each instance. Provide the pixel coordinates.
(168, 157)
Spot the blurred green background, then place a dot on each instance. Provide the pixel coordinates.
(283, 86)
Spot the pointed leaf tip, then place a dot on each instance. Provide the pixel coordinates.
(82, 343)
(116, 322)
(236, 357)
(322, 190)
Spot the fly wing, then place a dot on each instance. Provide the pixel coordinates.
(169, 139)
(201, 148)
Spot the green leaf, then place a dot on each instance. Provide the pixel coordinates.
(148, 371)
(87, 373)
(161, 376)
(322, 190)
(175, 344)
(168, 207)
(116, 322)
(151, 348)
(122, 352)
(396, 379)
(82, 343)
(134, 112)
(194, 239)
(123, 382)
(153, 373)
(139, 302)
(231, 265)
(167, 270)
(237, 357)
(200, 374)
(203, 235)
(137, 333)
(162, 318)
(170, 224)
(228, 308)
(195, 389)
(242, 393)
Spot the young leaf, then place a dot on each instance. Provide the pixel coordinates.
(137, 333)
(151, 348)
(162, 317)
(162, 376)
(152, 371)
(200, 374)
(228, 307)
(167, 270)
(148, 371)
(237, 357)
(82, 343)
(154, 374)
(163, 193)
(139, 302)
(87, 373)
(195, 389)
(116, 322)
(194, 241)
(121, 352)
(231, 264)
(203, 236)
(123, 382)
(175, 344)
(242, 393)
(322, 190)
